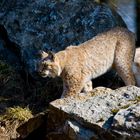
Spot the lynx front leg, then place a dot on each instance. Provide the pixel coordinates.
(123, 63)
(71, 89)
(88, 87)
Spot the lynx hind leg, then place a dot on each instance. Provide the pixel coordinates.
(87, 87)
(123, 60)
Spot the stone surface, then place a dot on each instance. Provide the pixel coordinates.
(53, 25)
(127, 122)
(127, 10)
(77, 131)
(96, 113)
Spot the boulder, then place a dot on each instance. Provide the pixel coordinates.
(127, 122)
(53, 25)
(102, 114)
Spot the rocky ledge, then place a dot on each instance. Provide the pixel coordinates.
(102, 114)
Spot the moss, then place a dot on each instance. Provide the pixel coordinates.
(21, 114)
(126, 106)
(138, 99)
(114, 111)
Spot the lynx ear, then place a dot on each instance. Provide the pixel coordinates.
(42, 54)
(46, 55)
(51, 55)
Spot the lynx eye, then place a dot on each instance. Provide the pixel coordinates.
(44, 67)
(45, 59)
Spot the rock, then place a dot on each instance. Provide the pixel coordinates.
(95, 114)
(9, 56)
(77, 132)
(127, 122)
(32, 124)
(53, 25)
(127, 10)
(17, 129)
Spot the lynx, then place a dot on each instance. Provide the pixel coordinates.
(77, 65)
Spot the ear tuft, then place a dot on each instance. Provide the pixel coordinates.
(51, 55)
(42, 54)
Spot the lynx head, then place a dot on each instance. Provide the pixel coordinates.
(49, 65)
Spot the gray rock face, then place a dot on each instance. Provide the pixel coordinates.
(77, 131)
(93, 116)
(53, 25)
(9, 57)
(127, 122)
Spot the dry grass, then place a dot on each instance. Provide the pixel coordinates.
(18, 113)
